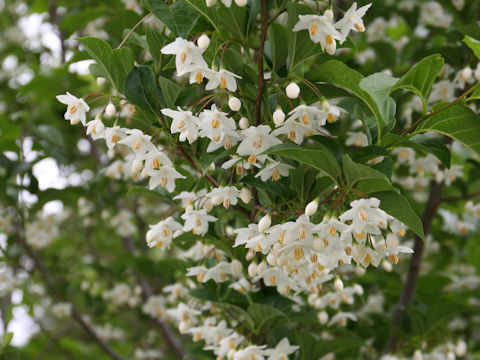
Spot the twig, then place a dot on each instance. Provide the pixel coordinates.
(133, 29)
(410, 286)
(460, 198)
(261, 80)
(456, 101)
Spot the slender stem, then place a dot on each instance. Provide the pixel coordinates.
(410, 286)
(456, 101)
(133, 29)
(261, 80)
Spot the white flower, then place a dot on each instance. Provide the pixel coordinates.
(308, 115)
(132, 5)
(197, 73)
(154, 160)
(443, 90)
(281, 351)
(197, 221)
(311, 208)
(224, 195)
(274, 170)
(184, 122)
(114, 135)
(161, 234)
(321, 31)
(257, 140)
(186, 53)
(76, 108)
(252, 352)
(110, 110)
(264, 223)
(164, 176)
(234, 103)
(352, 20)
(96, 129)
(341, 318)
(278, 116)
(243, 123)
(405, 155)
(294, 130)
(358, 139)
(393, 248)
(62, 310)
(223, 79)
(365, 212)
(139, 142)
(246, 234)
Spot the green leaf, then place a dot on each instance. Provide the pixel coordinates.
(265, 317)
(374, 183)
(421, 77)
(422, 143)
(473, 44)
(317, 157)
(337, 73)
(179, 17)
(277, 34)
(325, 347)
(458, 122)
(115, 64)
(155, 41)
(141, 89)
(379, 86)
(169, 90)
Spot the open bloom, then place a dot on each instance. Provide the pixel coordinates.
(257, 140)
(76, 108)
(281, 351)
(197, 221)
(321, 31)
(139, 142)
(161, 234)
(164, 176)
(274, 170)
(184, 122)
(352, 20)
(365, 212)
(96, 129)
(223, 79)
(186, 53)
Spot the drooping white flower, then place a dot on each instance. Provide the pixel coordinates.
(320, 29)
(223, 78)
(393, 248)
(186, 53)
(62, 310)
(96, 129)
(184, 122)
(352, 20)
(274, 170)
(197, 221)
(76, 108)
(310, 116)
(294, 130)
(164, 176)
(139, 142)
(281, 351)
(154, 160)
(365, 212)
(257, 140)
(227, 196)
(161, 234)
(357, 138)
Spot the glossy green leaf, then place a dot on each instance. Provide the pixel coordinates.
(458, 122)
(179, 17)
(420, 78)
(141, 89)
(473, 44)
(115, 64)
(318, 158)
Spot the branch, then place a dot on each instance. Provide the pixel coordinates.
(261, 80)
(410, 286)
(133, 29)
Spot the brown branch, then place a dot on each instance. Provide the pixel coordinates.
(460, 198)
(261, 80)
(410, 286)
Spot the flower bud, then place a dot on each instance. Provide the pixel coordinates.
(293, 90)
(360, 271)
(110, 110)
(264, 223)
(183, 327)
(211, 3)
(261, 267)
(358, 289)
(243, 123)
(234, 103)
(387, 266)
(203, 41)
(328, 14)
(272, 259)
(137, 165)
(461, 348)
(466, 74)
(74, 121)
(311, 208)
(252, 270)
(246, 195)
(338, 283)
(278, 116)
(237, 267)
(241, 3)
(323, 317)
(417, 355)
